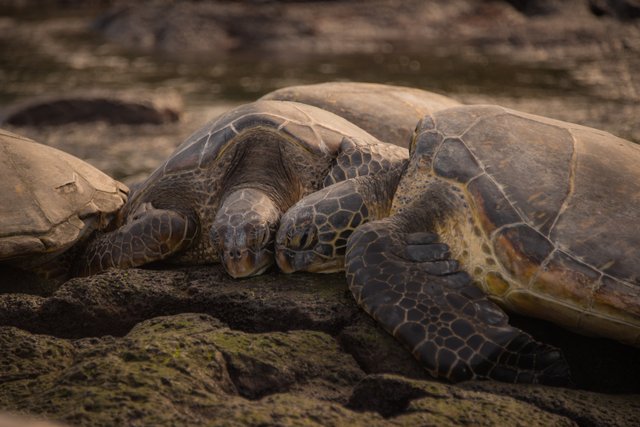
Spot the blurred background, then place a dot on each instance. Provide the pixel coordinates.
(121, 83)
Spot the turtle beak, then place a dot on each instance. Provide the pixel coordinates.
(246, 263)
(285, 260)
(290, 261)
(327, 266)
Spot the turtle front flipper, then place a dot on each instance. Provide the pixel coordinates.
(152, 235)
(358, 158)
(408, 283)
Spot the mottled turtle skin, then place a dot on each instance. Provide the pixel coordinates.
(220, 196)
(494, 206)
(51, 201)
(388, 112)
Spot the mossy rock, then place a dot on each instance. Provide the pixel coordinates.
(263, 364)
(417, 402)
(377, 352)
(413, 402)
(176, 370)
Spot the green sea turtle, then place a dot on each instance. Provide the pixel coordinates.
(541, 215)
(387, 112)
(51, 201)
(220, 196)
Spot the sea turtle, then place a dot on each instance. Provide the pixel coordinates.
(255, 210)
(51, 201)
(220, 196)
(387, 112)
(542, 216)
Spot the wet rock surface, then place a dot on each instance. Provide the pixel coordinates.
(177, 28)
(602, 37)
(126, 108)
(194, 347)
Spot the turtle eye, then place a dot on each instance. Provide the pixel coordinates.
(265, 235)
(308, 238)
(262, 235)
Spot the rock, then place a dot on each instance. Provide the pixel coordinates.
(26, 282)
(479, 40)
(113, 302)
(583, 407)
(270, 350)
(179, 28)
(19, 309)
(110, 304)
(123, 108)
(27, 356)
(215, 29)
(536, 7)
(625, 10)
(490, 403)
(387, 395)
(128, 153)
(181, 369)
(278, 362)
(378, 352)
(423, 402)
(288, 409)
(14, 420)
(191, 369)
(274, 302)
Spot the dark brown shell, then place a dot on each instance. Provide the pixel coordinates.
(317, 131)
(558, 205)
(578, 187)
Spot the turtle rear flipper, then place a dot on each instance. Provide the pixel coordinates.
(152, 235)
(409, 285)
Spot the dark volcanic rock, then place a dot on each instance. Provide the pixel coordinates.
(130, 109)
(595, 42)
(489, 403)
(377, 352)
(271, 350)
(212, 29)
(585, 408)
(13, 420)
(191, 369)
(113, 302)
(429, 403)
(621, 9)
(536, 7)
(184, 369)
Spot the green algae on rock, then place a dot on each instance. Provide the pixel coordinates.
(170, 370)
(191, 369)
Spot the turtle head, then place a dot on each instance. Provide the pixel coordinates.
(313, 233)
(243, 232)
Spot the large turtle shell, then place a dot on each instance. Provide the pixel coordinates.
(286, 149)
(387, 112)
(50, 198)
(553, 228)
(315, 130)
